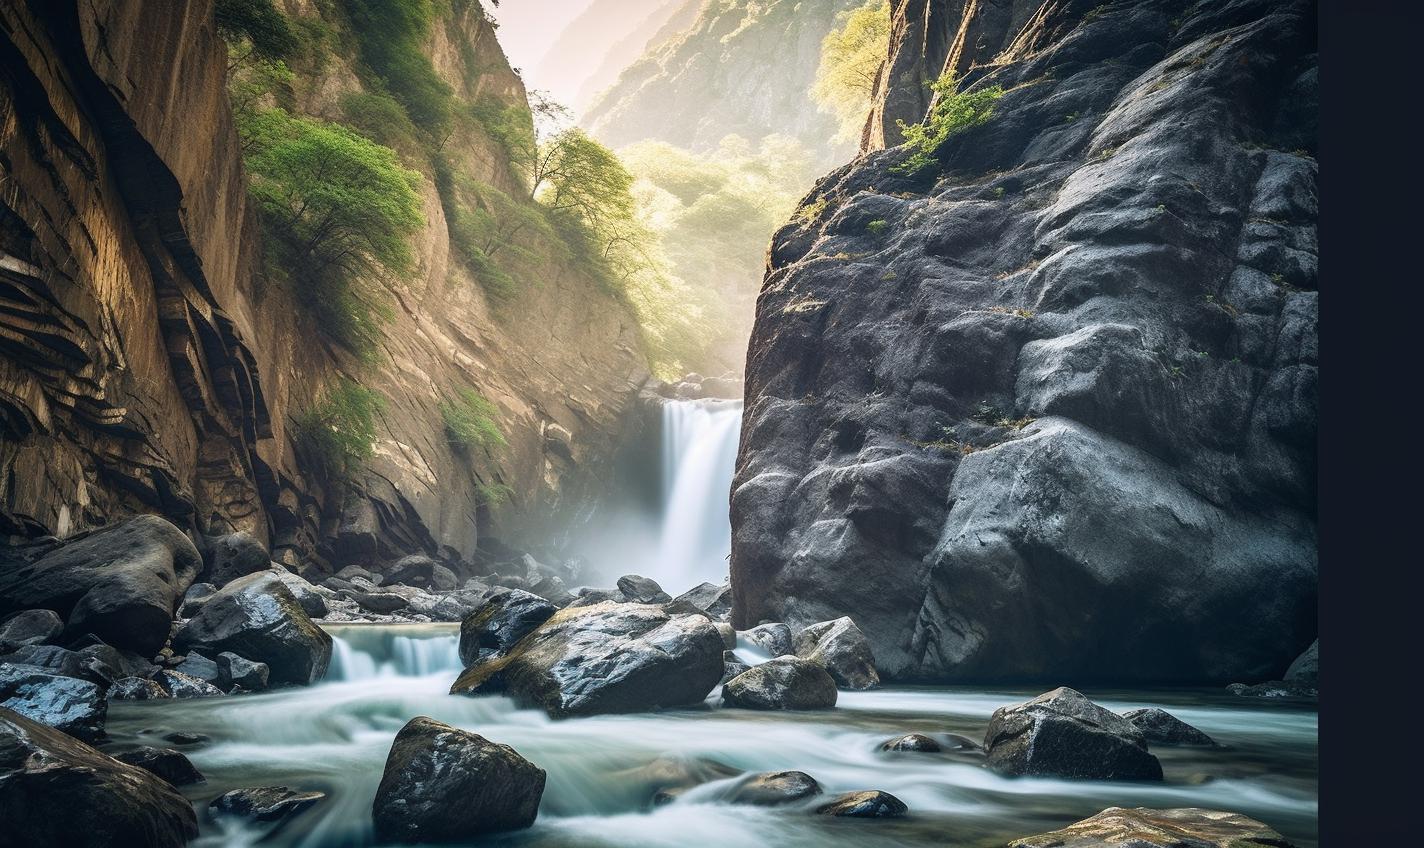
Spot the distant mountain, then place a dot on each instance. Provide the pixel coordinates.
(595, 45)
(664, 22)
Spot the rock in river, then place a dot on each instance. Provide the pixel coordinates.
(869, 804)
(257, 617)
(264, 803)
(68, 704)
(1144, 828)
(785, 683)
(1063, 734)
(173, 766)
(774, 787)
(120, 583)
(506, 617)
(916, 742)
(606, 658)
(443, 784)
(56, 790)
(1160, 727)
(842, 649)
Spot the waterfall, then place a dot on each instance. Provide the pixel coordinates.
(699, 451)
(363, 652)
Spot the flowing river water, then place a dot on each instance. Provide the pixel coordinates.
(334, 737)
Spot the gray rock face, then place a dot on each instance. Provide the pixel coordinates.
(1159, 829)
(1065, 392)
(1306, 667)
(868, 804)
(606, 658)
(773, 638)
(1063, 734)
(173, 766)
(199, 666)
(772, 788)
(258, 618)
(93, 663)
(233, 556)
(715, 601)
(265, 803)
(442, 784)
(194, 598)
(642, 590)
(121, 583)
(842, 649)
(136, 689)
(70, 705)
(103, 803)
(416, 570)
(308, 597)
(183, 686)
(785, 683)
(29, 627)
(381, 602)
(1160, 727)
(240, 671)
(507, 616)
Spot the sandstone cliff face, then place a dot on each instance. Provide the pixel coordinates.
(144, 367)
(1056, 416)
(741, 67)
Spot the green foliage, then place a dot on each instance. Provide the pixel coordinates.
(391, 36)
(339, 433)
(953, 111)
(851, 56)
(259, 24)
(877, 227)
(493, 494)
(337, 211)
(470, 421)
(381, 118)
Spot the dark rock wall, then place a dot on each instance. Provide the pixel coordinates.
(145, 368)
(1056, 417)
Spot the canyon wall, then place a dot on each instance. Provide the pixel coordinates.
(1046, 410)
(147, 367)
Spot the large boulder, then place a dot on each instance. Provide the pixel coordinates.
(309, 598)
(785, 683)
(443, 784)
(1063, 734)
(842, 649)
(606, 658)
(772, 638)
(1306, 667)
(773, 788)
(97, 664)
(266, 804)
(642, 590)
(29, 627)
(233, 556)
(56, 790)
(173, 766)
(235, 671)
(416, 570)
(183, 686)
(120, 583)
(714, 600)
(1145, 828)
(257, 617)
(68, 704)
(507, 616)
(867, 804)
(1160, 727)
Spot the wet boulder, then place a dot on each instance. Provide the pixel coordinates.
(136, 689)
(309, 598)
(1063, 734)
(56, 790)
(93, 663)
(198, 666)
(715, 601)
(267, 804)
(173, 766)
(29, 627)
(257, 617)
(552, 589)
(68, 704)
(1306, 667)
(868, 804)
(1160, 727)
(642, 590)
(605, 658)
(506, 616)
(121, 583)
(772, 788)
(232, 556)
(912, 742)
(442, 784)
(417, 570)
(194, 598)
(842, 649)
(665, 779)
(1146, 828)
(183, 686)
(240, 672)
(773, 638)
(785, 683)
(381, 603)
(729, 634)
(733, 668)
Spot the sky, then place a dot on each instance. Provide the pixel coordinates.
(528, 27)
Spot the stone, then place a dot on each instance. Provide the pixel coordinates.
(605, 658)
(729, 634)
(257, 617)
(733, 669)
(417, 570)
(868, 804)
(1160, 727)
(308, 597)
(29, 627)
(136, 689)
(241, 672)
(1305, 668)
(1063, 734)
(93, 663)
(774, 788)
(842, 649)
(351, 571)
(1274, 689)
(714, 600)
(183, 686)
(173, 766)
(642, 590)
(506, 616)
(1148, 828)
(916, 742)
(381, 602)
(198, 666)
(552, 589)
(666, 778)
(784, 683)
(773, 638)
(120, 583)
(265, 803)
(184, 737)
(68, 704)
(56, 790)
(232, 556)
(194, 598)
(442, 784)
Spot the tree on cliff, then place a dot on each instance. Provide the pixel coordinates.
(851, 56)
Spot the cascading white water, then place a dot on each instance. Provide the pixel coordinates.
(699, 452)
(360, 652)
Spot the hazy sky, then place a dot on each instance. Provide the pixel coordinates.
(528, 27)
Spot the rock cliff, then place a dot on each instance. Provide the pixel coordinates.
(145, 366)
(1047, 409)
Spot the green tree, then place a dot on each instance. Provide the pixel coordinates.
(339, 432)
(338, 211)
(391, 38)
(851, 56)
(470, 421)
(262, 31)
(952, 112)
